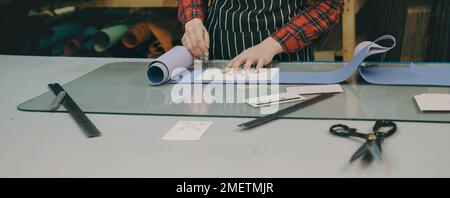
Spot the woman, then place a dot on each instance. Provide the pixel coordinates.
(254, 32)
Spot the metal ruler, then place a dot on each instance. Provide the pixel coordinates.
(262, 120)
(74, 110)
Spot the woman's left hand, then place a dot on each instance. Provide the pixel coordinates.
(259, 55)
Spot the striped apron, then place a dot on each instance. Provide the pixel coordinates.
(235, 25)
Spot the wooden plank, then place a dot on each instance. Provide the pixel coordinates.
(324, 55)
(415, 36)
(348, 29)
(349, 34)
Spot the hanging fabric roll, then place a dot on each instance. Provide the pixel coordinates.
(136, 35)
(109, 36)
(72, 46)
(147, 31)
(162, 34)
(59, 33)
(155, 50)
(82, 42)
(88, 38)
(57, 49)
(120, 50)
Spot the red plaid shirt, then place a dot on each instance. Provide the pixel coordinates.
(299, 32)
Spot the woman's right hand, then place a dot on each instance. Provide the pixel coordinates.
(196, 38)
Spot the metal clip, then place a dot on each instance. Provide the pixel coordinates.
(59, 98)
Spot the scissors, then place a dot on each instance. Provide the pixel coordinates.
(372, 147)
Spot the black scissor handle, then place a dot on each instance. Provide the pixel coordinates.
(386, 124)
(341, 130)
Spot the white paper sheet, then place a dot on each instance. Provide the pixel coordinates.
(433, 102)
(315, 89)
(187, 130)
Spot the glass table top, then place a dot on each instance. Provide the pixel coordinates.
(123, 88)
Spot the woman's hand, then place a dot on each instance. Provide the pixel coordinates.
(259, 55)
(196, 38)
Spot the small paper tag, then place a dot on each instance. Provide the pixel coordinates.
(187, 130)
(433, 102)
(315, 89)
(274, 99)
